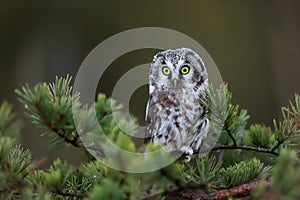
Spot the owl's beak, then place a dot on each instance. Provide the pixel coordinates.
(175, 83)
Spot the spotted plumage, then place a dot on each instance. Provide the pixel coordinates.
(177, 81)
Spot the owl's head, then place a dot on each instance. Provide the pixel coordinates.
(178, 69)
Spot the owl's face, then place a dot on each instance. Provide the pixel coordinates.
(178, 69)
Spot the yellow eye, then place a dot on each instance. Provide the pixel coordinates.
(185, 69)
(166, 70)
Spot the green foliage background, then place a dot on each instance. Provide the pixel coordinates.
(266, 156)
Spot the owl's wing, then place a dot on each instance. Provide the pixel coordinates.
(150, 117)
(148, 120)
(147, 110)
(151, 101)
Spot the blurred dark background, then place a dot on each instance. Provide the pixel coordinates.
(255, 44)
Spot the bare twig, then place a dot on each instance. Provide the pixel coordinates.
(277, 145)
(248, 148)
(230, 135)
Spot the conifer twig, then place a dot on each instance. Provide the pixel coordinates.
(294, 129)
(53, 127)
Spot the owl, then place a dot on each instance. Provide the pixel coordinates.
(175, 117)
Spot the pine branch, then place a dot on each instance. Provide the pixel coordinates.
(235, 192)
(246, 148)
(178, 192)
(68, 194)
(54, 128)
(49, 107)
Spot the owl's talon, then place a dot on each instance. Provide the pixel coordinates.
(187, 153)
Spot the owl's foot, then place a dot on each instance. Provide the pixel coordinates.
(187, 153)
